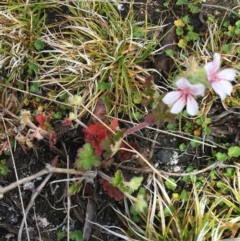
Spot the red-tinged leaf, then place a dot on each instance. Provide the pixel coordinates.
(162, 114)
(150, 118)
(52, 139)
(67, 122)
(112, 191)
(41, 119)
(114, 124)
(99, 111)
(94, 134)
(127, 155)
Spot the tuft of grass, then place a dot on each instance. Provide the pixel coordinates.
(209, 211)
(87, 48)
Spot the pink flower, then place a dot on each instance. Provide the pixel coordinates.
(184, 95)
(219, 79)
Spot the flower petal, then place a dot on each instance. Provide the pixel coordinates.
(198, 89)
(183, 83)
(222, 88)
(213, 67)
(192, 106)
(227, 74)
(216, 60)
(178, 106)
(171, 97)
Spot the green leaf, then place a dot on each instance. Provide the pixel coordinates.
(234, 151)
(227, 48)
(169, 52)
(63, 96)
(171, 127)
(194, 143)
(137, 97)
(237, 31)
(118, 181)
(32, 68)
(229, 172)
(180, 2)
(4, 170)
(58, 115)
(39, 45)
(182, 147)
(60, 235)
(179, 31)
(75, 188)
(184, 196)
(237, 23)
(226, 24)
(136, 115)
(192, 36)
(207, 131)
(142, 191)
(194, 9)
(87, 158)
(165, 4)
(212, 174)
(34, 88)
(140, 204)
(221, 156)
(199, 121)
(104, 86)
(171, 184)
(138, 32)
(134, 184)
(76, 235)
(186, 19)
(169, 211)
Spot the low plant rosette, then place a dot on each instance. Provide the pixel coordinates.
(195, 80)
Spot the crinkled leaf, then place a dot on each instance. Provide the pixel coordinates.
(111, 145)
(75, 188)
(134, 184)
(106, 146)
(87, 158)
(118, 181)
(96, 133)
(160, 115)
(140, 203)
(112, 191)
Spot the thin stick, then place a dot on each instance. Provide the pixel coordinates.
(90, 175)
